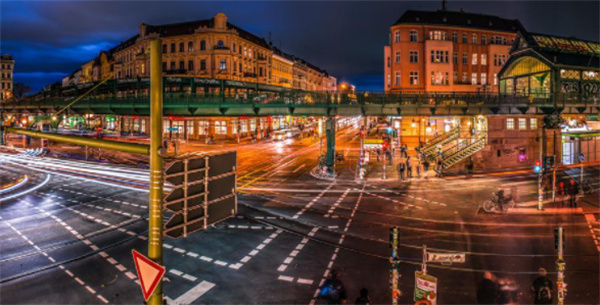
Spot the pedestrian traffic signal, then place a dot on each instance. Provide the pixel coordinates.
(537, 168)
(556, 238)
(548, 162)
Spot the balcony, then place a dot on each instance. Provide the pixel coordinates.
(253, 75)
(218, 47)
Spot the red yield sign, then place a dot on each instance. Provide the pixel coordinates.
(149, 273)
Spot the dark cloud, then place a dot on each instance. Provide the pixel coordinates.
(52, 38)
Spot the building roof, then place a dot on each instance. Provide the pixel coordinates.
(189, 27)
(6, 57)
(567, 51)
(460, 19)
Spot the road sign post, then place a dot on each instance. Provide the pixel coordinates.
(581, 158)
(395, 264)
(203, 192)
(149, 273)
(155, 222)
(561, 286)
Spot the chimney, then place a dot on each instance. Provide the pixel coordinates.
(444, 5)
(142, 29)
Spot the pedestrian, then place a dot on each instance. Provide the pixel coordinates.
(333, 290)
(542, 288)
(426, 168)
(561, 192)
(487, 289)
(363, 299)
(419, 166)
(401, 168)
(469, 167)
(573, 192)
(408, 168)
(378, 154)
(440, 167)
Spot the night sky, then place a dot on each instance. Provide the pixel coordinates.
(51, 39)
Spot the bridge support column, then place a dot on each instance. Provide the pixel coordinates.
(330, 136)
(258, 128)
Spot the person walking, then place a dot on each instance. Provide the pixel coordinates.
(333, 290)
(573, 192)
(542, 288)
(426, 168)
(469, 167)
(408, 168)
(439, 167)
(401, 168)
(364, 298)
(419, 166)
(487, 289)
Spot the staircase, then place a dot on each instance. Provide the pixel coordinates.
(429, 150)
(454, 155)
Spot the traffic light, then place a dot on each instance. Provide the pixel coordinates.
(556, 238)
(548, 162)
(537, 168)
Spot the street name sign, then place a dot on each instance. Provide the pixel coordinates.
(149, 273)
(435, 257)
(203, 192)
(425, 288)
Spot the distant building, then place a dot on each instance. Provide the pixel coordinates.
(8, 66)
(447, 51)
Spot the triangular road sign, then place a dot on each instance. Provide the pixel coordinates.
(149, 273)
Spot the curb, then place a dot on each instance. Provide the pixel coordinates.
(313, 172)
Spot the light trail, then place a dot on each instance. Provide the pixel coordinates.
(26, 191)
(16, 186)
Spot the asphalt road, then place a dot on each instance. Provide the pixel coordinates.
(66, 234)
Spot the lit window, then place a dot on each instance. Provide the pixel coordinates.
(474, 60)
(414, 37)
(533, 123)
(464, 78)
(414, 77)
(483, 59)
(484, 78)
(522, 123)
(223, 65)
(474, 79)
(495, 79)
(510, 124)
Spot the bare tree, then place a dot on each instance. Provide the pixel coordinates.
(20, 90)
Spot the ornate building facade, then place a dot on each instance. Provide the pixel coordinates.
(447, 51)
(210, 48)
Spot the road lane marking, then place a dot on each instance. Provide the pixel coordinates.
(193, 294)
(306, 207)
